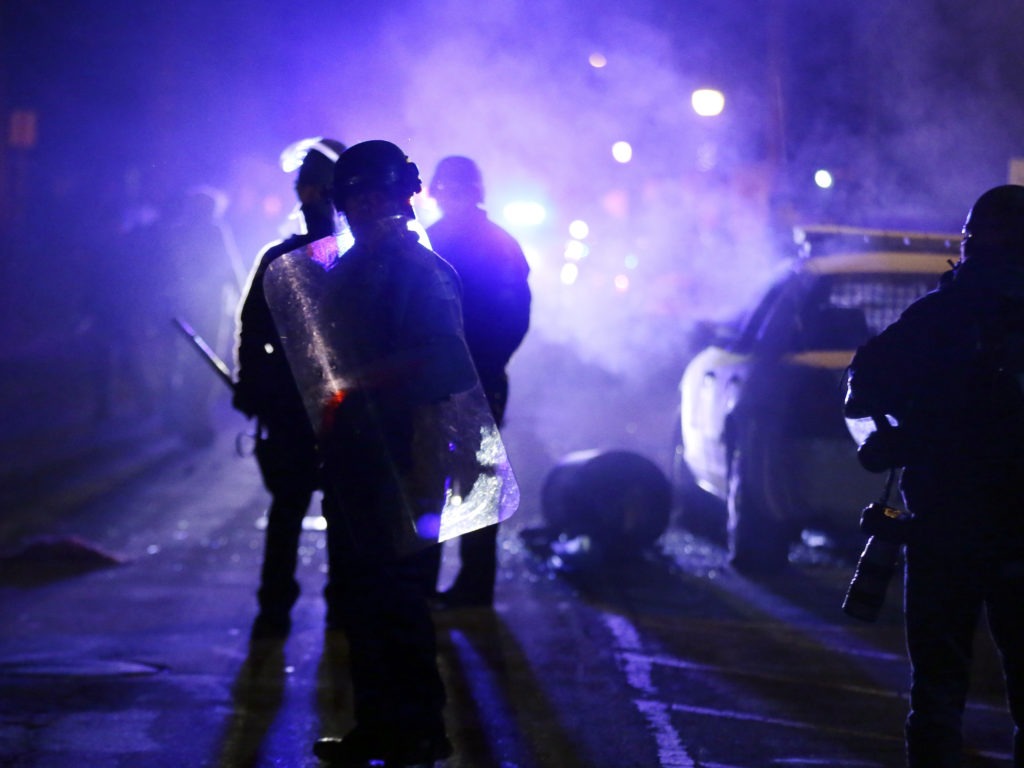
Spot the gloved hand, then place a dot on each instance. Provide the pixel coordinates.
(884, 449)
(885, 522)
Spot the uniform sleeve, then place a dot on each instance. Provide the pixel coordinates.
(890, 371)
(248, 344)
(433, 337)
(516, 299)
(503, 330)
(263, 381)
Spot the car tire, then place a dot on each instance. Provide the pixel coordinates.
(757, 543)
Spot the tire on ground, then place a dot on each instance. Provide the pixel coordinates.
(619, 499)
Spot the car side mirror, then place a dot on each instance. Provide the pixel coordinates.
(717, 333)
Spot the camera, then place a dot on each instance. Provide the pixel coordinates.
(888, 529)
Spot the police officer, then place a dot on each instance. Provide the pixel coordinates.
(949, 371)
(496, 314)
(395, 323)
(265, 389)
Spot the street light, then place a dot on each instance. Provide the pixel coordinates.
(707, 102)
(622, 151)
(823, 179)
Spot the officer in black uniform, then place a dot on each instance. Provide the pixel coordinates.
(949, 371)
(265, 389)
(496, 313)
(395, 323)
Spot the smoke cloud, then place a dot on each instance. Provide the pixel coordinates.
(915, 107)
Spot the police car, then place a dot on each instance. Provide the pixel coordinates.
(761, 425)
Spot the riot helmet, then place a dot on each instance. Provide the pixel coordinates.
(314, 159)
(994, 229)
(457, 177)
(376, 166)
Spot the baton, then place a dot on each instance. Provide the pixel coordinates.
(218, 365)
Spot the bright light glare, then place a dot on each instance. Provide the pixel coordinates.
(311, 523)
(598, 60)
(707, 102)
(579, 229)
(569, 273)
(631, 261)
(823, 179)
(622, 151)
(533, 256)
(524, 213)
(575, 250)
(621, 283)
(293, 155)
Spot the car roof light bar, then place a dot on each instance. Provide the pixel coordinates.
(823, 240)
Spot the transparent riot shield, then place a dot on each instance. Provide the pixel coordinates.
(459, 479)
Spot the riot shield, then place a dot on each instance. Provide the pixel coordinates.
(458, 478)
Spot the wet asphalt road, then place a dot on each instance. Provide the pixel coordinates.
(667, 660)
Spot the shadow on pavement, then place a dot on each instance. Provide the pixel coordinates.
(256, 697)
(505, 714)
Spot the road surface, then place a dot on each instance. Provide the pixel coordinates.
(129, 646)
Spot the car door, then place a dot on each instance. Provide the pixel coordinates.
(705, 390)
(712, 385)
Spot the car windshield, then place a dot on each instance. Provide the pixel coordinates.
(831, 311)
(880, 298)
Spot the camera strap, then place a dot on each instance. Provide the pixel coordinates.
(890, 481)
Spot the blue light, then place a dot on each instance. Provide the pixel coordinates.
(525, 213)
